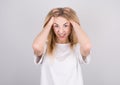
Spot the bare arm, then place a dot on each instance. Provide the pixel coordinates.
(83, 39)
(40, 40)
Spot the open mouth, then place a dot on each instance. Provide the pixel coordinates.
(62, 36)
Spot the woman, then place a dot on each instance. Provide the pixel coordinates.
(61, 47)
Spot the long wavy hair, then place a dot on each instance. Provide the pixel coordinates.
(67, 13)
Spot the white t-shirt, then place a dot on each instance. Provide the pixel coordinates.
(64, 69)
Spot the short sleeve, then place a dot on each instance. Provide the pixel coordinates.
(79, 56)
(38, 60)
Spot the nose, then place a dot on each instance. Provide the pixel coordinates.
(61, 30)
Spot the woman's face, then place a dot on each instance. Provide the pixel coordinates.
(62, 29)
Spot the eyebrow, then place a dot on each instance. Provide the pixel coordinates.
(67, 23)
(63, 24)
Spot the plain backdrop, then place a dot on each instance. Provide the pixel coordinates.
(21, 21)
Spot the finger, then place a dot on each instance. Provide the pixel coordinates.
(71, 21)
(51, 21)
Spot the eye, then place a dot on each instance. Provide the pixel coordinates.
(65, 25)
(55, 26)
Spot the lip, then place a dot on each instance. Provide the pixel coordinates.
(62, 36)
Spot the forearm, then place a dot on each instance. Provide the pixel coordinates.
(83, 39)
(39, 42)
(41, 38)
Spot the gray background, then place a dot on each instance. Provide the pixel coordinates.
(21, 21)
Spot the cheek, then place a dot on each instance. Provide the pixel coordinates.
(55, 30)
(68, 31)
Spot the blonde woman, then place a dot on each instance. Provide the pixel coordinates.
(61, 47)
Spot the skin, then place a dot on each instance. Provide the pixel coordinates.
(40, 40)
(85, 45)
(62, 29)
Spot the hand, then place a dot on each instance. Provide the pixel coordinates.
(74, 24)
(50, 23)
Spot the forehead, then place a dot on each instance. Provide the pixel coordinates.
(60, 20)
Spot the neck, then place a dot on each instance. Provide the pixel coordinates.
(62, 42)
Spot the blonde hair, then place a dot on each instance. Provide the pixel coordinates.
(68, 14)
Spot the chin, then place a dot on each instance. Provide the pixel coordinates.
(62, 41)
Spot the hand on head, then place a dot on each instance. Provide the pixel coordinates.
(74, 24)
(51, 21)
